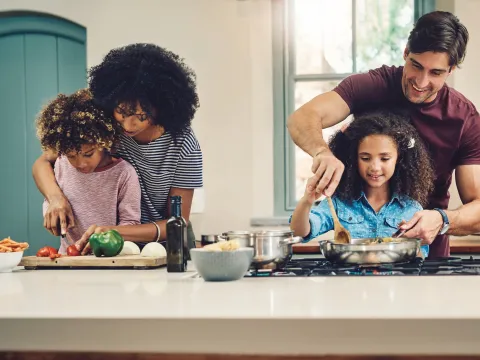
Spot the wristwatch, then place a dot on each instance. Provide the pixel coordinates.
(446, 223)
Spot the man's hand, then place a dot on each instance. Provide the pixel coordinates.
(327, 171)
(83, 245)
(424, 225)
(59, 212)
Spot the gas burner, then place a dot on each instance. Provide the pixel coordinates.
(442, 261)
(418, 267)
(471, 262)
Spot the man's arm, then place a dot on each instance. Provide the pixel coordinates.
(305, 126)
(466, 219)
(306, 123)
(59, 215)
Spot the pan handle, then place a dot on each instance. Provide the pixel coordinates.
(290, 241)
(322, 244)
(399, 233)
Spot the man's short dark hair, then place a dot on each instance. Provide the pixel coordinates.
(439, 31)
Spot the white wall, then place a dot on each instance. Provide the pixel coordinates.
(467, 11)
(228, 44)
(461, 80)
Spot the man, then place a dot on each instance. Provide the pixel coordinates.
(447, 122)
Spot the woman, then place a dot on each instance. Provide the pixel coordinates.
(152, 94)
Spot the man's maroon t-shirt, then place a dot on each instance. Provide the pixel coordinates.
(449, 126)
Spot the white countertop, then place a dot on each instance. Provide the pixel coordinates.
(153, 311)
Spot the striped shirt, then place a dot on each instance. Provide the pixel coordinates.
(108, 196)
(161, 165)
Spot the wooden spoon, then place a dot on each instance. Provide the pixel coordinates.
(342, 236)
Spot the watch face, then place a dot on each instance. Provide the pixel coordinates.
(444, 229)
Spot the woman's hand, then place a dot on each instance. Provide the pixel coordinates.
(83, 245)
(59, 216)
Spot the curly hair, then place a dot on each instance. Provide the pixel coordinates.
(413, 175)
(70, 121)
(154, 77)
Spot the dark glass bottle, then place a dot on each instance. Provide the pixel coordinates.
(177, 249)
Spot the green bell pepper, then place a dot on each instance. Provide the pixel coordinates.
(108, 243)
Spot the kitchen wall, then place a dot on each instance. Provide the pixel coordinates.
(228, 43)
(461, 79)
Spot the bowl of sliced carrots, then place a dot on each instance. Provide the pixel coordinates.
(11, 253)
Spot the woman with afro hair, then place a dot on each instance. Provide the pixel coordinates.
(152, 94)
(388, 177)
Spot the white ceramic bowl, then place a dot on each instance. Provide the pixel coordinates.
(9, 260)
(222, 265)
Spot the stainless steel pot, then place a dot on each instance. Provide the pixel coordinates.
(371, 251)
(206, 240)
(273, 249)
(245, 238)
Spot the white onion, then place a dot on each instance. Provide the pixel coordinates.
(154, 249)
(130, 248)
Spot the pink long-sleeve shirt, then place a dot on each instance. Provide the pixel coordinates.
(108, 196)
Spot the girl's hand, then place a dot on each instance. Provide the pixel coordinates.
(59, 216)
(310, 194)
(83, 245)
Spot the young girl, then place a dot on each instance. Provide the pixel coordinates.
(388, 177)
(101, 189)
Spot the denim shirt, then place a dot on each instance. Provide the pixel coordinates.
(359, 218)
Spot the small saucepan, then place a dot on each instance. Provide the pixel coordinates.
(272, 248)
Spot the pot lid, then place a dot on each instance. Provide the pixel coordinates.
(283, 233)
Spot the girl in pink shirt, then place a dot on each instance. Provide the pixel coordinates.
(101, 189)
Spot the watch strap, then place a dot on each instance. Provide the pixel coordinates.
(446, 223)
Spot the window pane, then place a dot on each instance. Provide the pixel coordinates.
(382, 28)
(304, 92)
(323, 36)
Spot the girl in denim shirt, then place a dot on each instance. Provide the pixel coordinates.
(388, 177)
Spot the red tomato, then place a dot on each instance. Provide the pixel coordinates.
(73, 251)
(47, 251)
(54, 256)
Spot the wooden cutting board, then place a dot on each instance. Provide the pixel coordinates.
(93, 262)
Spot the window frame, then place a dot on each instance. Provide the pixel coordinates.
(283, 96)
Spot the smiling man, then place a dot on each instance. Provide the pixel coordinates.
(447, 121)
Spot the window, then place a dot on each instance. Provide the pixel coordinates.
(317, 43)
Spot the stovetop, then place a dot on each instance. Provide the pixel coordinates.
(320, 267)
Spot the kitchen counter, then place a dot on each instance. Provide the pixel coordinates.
(153, 311)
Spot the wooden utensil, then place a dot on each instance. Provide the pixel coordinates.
(342, 235)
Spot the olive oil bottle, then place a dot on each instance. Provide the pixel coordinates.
(177, 249)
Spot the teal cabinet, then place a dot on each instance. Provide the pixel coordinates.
(40, 56)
